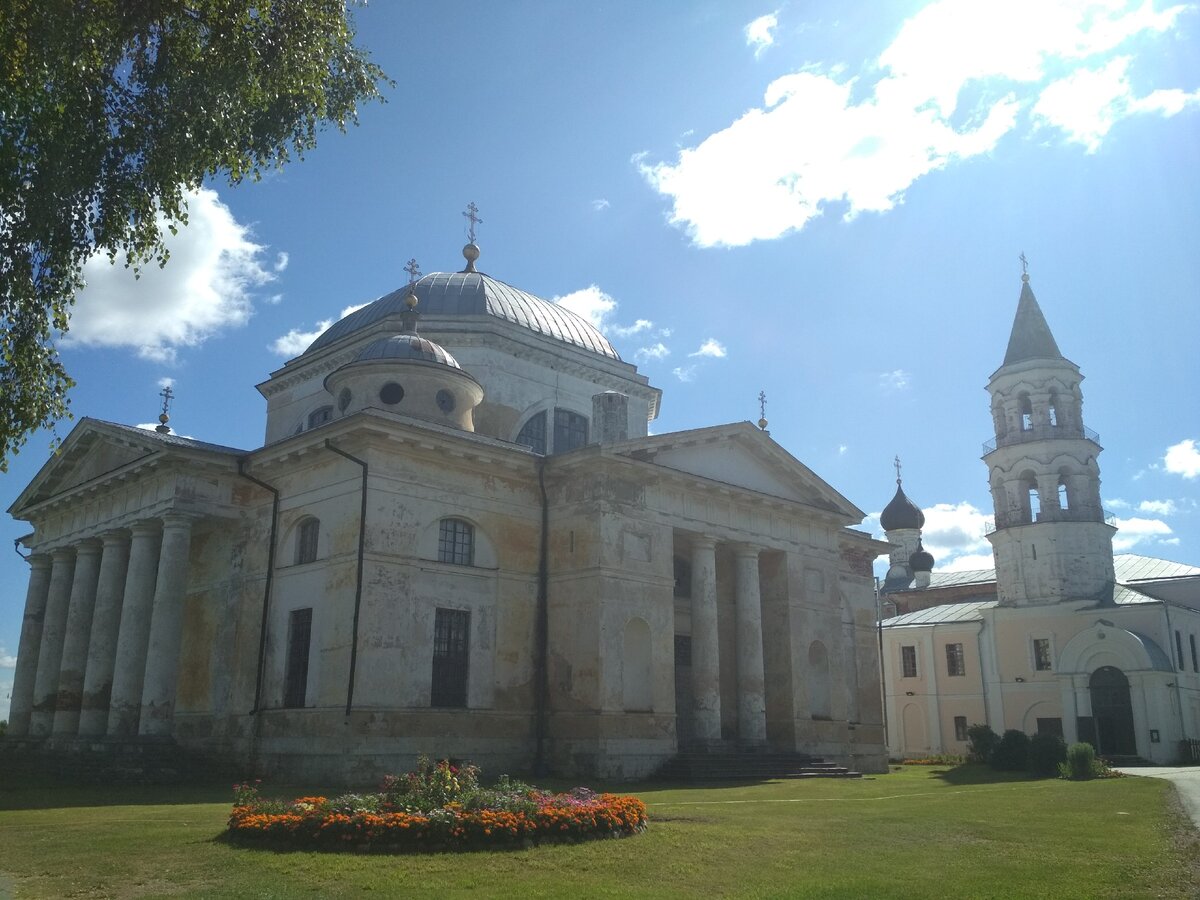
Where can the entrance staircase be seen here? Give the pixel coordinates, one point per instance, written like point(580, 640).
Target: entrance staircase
point(727, 764)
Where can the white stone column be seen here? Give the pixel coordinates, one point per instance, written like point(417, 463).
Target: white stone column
point(30, 646)
point(129, 668)
point(166, 629)
point(75, 642)
point(706, 669)
point(54, 625)
point(102, 648)
point(752, 703)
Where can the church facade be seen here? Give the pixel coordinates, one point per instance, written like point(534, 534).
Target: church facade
point(1061, 637)
point(457, 539)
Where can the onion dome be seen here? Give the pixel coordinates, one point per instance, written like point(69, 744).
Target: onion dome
point(901, 512)
point(922, 560)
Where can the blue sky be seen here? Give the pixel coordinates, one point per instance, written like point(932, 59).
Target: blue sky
point(824, 204)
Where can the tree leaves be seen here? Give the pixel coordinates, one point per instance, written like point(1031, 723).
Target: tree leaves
point(110, 111)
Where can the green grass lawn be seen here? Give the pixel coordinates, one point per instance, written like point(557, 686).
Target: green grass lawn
point(918, 832)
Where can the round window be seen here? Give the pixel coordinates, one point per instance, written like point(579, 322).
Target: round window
point(343, 399)
point(391, 393)
point(445, 401)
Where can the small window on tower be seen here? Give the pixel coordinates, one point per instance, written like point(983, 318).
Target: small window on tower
point(960, 728)
point(1041, 655)
point(908, 662)
point(955, 663)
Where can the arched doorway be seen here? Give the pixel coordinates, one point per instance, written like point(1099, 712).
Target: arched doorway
point(1112, 712)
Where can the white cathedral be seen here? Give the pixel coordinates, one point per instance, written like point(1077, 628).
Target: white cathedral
point(1062, 636)
point(458, 538)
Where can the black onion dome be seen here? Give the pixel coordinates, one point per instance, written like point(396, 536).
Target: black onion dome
point(922, 560)
point(406, 346)
point(468, 294)
point(901, 513)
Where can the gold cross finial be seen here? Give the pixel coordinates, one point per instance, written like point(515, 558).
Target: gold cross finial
point(762, 410)
point(897, 465)
point(472, 216)
point(1024, 265)
point(168, 395)
point(413, 270)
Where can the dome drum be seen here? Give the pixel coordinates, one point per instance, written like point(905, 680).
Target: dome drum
point(424, 390)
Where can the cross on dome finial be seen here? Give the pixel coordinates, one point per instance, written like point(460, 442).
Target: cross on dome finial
point(762, 410)
point(413, 270)
point(472, 216)
point(897, 465)
point(1024, 267)
point(168, 395)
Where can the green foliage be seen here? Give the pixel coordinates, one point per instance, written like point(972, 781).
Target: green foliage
point(1081, 763)
point(1011, 752)
point(112, 111)
point(431, 786)
point(981, 742)
point(1046, 753)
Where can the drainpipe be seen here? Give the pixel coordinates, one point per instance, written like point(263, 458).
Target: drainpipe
point(358, 582)
point(541, 684)
point(882, 667)
point(1175, 652)
point(266, 604)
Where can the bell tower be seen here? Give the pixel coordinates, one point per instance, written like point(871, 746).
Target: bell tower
point(1051, 542)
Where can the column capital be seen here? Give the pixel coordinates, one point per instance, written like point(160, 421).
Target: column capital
point(144, 527)
point(62, 553)
point(39, 561)
point(742, 551)
point(115, 536)
point(177, 520)
point(88, 547)
point(703, 542)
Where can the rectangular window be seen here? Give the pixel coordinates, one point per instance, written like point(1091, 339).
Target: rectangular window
point(1041, 655)
point(1195, 663)
point(955, 664)
point(1179, 649)
point(1052, 726)
point(295, 681)
point(960, 728)
point(908, 662)
point(307, 539)
point(450, 657)
point(570, 430)
point(456, 542)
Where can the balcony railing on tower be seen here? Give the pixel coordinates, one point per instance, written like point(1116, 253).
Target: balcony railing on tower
point(1040, 433)
point(1014, 517)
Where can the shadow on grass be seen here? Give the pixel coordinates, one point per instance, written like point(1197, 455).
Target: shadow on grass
point(978, 773)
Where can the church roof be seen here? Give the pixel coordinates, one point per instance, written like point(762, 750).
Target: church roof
point(475, 294)
point(941, 615)
point(901, 512)
point(1030, 337)
point(406, 346)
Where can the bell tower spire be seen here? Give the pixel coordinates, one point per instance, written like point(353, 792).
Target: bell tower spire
point(1051, 542)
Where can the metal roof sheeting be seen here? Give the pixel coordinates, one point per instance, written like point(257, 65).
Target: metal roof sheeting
point(940, 615)
point(475, 294)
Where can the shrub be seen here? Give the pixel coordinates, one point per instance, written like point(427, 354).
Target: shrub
point(1081, 763)
point(1046, 753)
point(981, 742)
point(1011, 751)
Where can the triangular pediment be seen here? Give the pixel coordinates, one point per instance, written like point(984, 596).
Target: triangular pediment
point(95, 449)
point(741, 456)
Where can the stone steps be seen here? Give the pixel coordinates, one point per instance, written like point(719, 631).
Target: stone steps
point(749, 765)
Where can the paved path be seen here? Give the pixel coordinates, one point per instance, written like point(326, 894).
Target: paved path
point(1186, 779)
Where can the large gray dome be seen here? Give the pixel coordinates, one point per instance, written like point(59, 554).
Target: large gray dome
point(475, 294)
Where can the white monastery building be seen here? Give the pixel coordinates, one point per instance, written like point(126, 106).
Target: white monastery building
point(455, 541)
point(1061, 636)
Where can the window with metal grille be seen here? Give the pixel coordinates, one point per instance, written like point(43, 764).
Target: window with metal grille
point(1195, 662)
point(320, 416)
point(451, 628)
point(533, 433)
point(307, 536)
point(955, 664)
point(1041, 655)
point(570, 430)
point(908, 662)
point(295, 681)
point(960, 728)
point(1179, 649)
point(456, 542)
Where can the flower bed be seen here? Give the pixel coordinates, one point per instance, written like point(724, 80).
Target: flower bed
point(436, 807)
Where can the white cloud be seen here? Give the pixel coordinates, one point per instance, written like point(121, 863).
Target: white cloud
point(636, 328)
point(822, 136)
point(590, 302)
point(1117, 503)
point(685, 373)
point(281, 261)
point(1158, 507)
point(895, 380)
point(954, 533)
point(968, 562)
point(1183, 459)
point(1137, 530)
point(656, 351)
point(166, 382)
point(7, 660)
point(759, 32)
point(207, 285)
point(842, 448)
point(600, 204)
point(712, 348)
point(296, 341)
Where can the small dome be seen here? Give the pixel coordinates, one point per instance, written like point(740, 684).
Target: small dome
point(406, 346)
point(922, 560)
point(901, 513)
